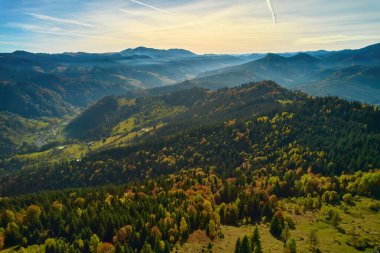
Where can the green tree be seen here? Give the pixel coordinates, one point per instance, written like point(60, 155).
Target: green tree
point(12, 234)
point(147, 248)
point(277, 224)
point(256, 241)
point(211, 230)
point(291, 246)
point(370, 184)
point(348, 198)
point(184, 229)
point(33, 213)
point(94, 243)
point(238, 246)
point(246, 245)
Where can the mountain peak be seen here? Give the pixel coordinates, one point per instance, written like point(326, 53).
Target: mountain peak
point(157, 53)
point(21, 52)
point(304, 57)
point(273, 57)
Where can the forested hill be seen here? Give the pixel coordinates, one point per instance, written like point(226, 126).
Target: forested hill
point(255, 127)
point(196, 106)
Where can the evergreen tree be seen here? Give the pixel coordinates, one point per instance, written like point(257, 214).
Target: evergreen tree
point(255, 241)
point(277, 224)
point(246, 245)
point(238, 246)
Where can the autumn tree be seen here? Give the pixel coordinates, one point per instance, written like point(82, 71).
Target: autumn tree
point(184, 229)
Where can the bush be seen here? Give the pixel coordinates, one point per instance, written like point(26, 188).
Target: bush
point(359, 243)
point(348, 198)
point(290, 222)
point(333, 217)
point(370, 184)
point(374, 206)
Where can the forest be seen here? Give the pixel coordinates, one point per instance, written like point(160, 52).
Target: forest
point(254, 155)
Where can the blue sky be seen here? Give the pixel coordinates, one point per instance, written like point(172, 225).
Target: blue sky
point(203, 26)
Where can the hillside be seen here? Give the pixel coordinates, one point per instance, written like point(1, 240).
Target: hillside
point(22, 135)
point(320, 75)
point(354, 83)
point(110, 111)
point(35, 85)
point(12, 127)
point(208, 168)
point(260, 118)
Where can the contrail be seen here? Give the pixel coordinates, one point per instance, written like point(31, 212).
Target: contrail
point(273, 13)
point(58, 20)
point(152, 7)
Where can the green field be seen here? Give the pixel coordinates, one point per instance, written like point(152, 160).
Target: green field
point(358, 222)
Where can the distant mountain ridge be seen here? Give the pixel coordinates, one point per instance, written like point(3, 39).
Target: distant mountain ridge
point(354, 71)
point(35, 85)
point(154, 53)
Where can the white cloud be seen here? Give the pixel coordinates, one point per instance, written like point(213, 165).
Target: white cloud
point(59, 20)
point(217, 26)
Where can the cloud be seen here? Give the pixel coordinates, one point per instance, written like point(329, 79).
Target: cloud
point(152, 7)
point(216, 26)
point(59, 20)
point(7, 43)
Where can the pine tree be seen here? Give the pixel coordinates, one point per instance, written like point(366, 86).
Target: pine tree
point(246, 245)
point(238, 246)
point(277, 224)
point(255, 241)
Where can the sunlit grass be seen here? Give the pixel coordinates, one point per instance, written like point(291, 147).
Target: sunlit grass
point(358, 220)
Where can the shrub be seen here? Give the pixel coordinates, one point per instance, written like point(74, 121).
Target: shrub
point(348, 198)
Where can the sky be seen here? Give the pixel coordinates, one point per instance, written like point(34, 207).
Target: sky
point(202, 26)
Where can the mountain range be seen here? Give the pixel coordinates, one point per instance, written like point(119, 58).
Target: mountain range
point(45, 92)
point(350, 74)
point(34, 85)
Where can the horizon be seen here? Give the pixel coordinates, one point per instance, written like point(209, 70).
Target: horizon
point(247, 53)
point(203, 27)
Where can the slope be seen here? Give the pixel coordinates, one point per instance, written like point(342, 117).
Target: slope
point(35, 85)
point(317, 75)
point(257, 126)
